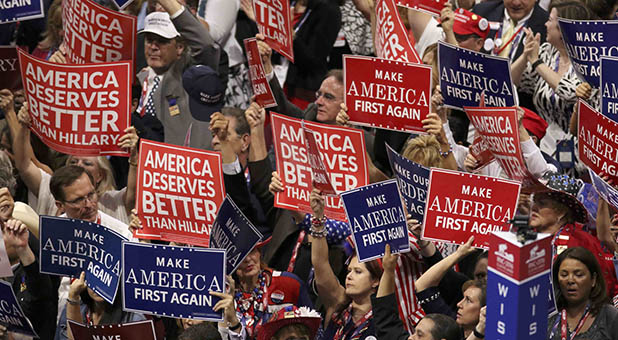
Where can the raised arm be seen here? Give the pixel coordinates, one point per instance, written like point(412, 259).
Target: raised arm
point(28, 171)
point(434, 275)
point(129, 141)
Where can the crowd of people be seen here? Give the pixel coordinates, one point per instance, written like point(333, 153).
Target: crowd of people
point(303, 280)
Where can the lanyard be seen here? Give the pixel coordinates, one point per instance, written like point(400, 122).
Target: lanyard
point(580, 324)
point(358, 327)
point(302, 21)
point(301, 237)
point(497, 50)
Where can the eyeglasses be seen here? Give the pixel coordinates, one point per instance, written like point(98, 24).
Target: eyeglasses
point(326, 96)
point(80, 201)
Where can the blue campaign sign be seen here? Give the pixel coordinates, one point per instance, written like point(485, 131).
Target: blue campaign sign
point(465, 74)
point(529, 319)
point(606, 191)
point(376, 216)
point(413, 180)
point(70, 246)
point(122, 3)
point(589, 197)
point(11, 314)
point(609, 87)
point(233, 232)
point(11, 11)
point(586, 42)
point(172, 281)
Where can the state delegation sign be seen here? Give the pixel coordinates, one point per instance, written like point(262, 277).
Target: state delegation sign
point(387, 94)
point(273, 21)
point(79, 110)
point(179, 191)
point(598, 141)
point(460, 205)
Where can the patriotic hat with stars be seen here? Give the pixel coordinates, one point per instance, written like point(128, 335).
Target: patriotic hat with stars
point(467, 22)
point(564, 189)
point(205, 89)
point(288, 316)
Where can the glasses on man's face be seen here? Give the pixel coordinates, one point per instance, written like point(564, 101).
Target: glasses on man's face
point(81, 201)
point(326, 96)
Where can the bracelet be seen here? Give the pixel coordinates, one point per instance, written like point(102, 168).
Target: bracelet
point(132, 163)
point(318, 222)
point(446, 153)
point(317, 233)
point(478, 335)
point(536, 64)
point(73, 302)
point(235, 327)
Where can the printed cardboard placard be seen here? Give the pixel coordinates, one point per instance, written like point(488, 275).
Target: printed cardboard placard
point(387, 94)
point(233, 232)
point(605, 191)
point(261, 88)
point(433, 7)
point(320, 179)
point(122, 3)
point(498, 127)
point(598, 141)
point(15, 10)
point(391, 37)
point(589, 197)
point(95, 34)
point(481, 152)
point(179, 191)
point(465, 74)
point(377, 218)
point(11, 315)
point(460, 205)
point(273, 21)
point(79, 110)
point(10, 74)
point(343, 152)
point(143, 330)
point(609, 87)
point(172, 281)
point(586, 41)
point(413, 180)
point(69, 246)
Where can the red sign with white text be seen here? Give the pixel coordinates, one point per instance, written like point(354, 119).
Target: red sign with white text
point(273, 20)
point(343, 152)
point(598, 141)
point(518, 261)
point(319, 174)
point(143, 330)
point(78, 109)
point(387, 94)
point(10, 77)
point(391, 41)
point(499, 128)
point(481, 151)
point(179, 192)
point(433, 7)
point(95, 34)
point(460, 205)
point(261, 89)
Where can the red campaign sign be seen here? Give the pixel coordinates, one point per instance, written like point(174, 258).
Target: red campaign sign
point(273, 20)
point(261, 89)
point(519, 262)
point(481, 151)
point(433, 7)
point(95, 34)
point(387, 94)
point(10, 77)
point(179, 192)
point(342, 150)
point(78, 109)
point(143, 330)
point(460, 205)
point(499, 128)
point(319, 174)
point(392, 41)
point(598, 141)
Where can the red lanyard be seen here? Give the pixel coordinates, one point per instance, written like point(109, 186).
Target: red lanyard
point(505, 44)
point(580, 324)
point(359, 326)
point(301, 237)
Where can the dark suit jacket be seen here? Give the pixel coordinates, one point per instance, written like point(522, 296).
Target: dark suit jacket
point(493, 10)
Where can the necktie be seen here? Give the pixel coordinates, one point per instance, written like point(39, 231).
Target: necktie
point(506, 38)
point(149, 108)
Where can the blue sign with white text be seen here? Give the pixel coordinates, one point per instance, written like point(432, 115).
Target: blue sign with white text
point(413, 180)
point(609, 88)
point(376, 216)
point(11, 314)
point(586, 42)
point(606, 191)
point(233, 232)
point(465, 74)
point(16, 10)
point(122, 3)
point(589, 197)
point(69, 246)
point(172, 281)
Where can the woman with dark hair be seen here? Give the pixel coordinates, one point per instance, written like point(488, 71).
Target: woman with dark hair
point(87, 307)
point(348, 308)
point(581, 298)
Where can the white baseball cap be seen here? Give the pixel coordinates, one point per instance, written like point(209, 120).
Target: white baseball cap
point(159, 23)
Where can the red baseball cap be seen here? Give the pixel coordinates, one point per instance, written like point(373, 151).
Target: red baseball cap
point(467, 22)
point(534, 123)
